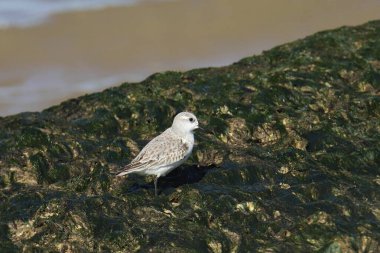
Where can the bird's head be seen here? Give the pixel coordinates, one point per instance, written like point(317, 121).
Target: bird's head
point(185, 122)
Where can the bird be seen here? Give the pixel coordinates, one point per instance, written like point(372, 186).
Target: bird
point(167, 151)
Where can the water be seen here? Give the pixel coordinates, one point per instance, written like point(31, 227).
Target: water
point(54, 50)
point(22, 13)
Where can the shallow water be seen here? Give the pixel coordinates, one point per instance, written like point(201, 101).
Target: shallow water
point(83, 51)
point(24, 13)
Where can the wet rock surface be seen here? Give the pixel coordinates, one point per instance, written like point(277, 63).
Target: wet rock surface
point(289, 160)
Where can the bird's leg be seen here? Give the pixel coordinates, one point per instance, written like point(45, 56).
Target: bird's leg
point(155, 186)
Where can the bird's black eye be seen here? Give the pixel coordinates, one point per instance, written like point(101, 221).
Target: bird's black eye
point(191, 119)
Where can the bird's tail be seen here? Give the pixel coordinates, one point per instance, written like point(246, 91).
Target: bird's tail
point(122, 173)
point(130, 168)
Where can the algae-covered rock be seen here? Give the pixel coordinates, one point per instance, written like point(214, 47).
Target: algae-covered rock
point(289, 160)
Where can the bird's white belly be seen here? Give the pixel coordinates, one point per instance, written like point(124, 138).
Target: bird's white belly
point(164, 170)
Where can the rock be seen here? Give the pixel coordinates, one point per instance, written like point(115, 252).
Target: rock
point(288, 162)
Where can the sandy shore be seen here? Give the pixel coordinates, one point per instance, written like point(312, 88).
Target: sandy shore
point(81, 52)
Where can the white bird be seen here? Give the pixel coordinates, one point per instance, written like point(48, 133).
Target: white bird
point(166, 151)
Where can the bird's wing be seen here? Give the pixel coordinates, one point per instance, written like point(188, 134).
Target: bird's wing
point(161, 151)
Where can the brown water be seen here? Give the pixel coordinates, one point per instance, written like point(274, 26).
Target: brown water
point(81, 52)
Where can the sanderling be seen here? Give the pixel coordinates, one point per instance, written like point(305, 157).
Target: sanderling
point(167, 151)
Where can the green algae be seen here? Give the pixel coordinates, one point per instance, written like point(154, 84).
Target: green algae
point(289, 160)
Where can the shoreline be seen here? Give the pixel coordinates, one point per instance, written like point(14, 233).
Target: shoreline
point(76, 53)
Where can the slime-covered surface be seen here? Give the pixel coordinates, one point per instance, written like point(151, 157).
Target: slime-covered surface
point(289, 160)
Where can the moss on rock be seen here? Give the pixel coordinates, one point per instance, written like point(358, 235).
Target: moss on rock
point(289, 161)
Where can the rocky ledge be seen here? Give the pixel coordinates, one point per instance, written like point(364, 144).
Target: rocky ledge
point(289, 160)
